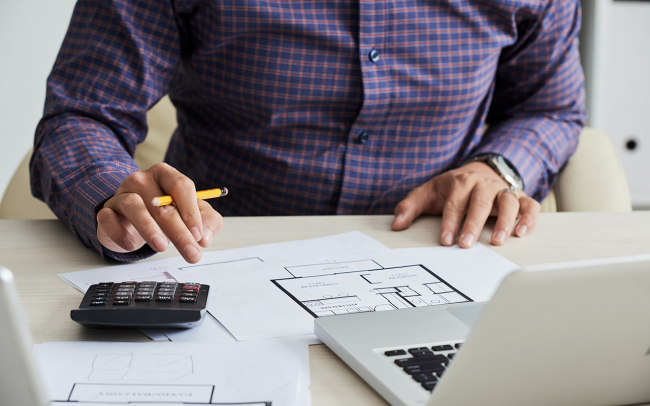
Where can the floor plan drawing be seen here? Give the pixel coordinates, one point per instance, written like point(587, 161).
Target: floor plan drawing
point(365, 286)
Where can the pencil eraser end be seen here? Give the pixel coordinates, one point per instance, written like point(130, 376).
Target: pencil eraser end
point(225, 191)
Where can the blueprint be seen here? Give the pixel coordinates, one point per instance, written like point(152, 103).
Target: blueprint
point(265, 373)
point(366, 290)
point(282, 298)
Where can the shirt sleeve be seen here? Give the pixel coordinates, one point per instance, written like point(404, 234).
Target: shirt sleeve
point(538, 107)
point(117, 60)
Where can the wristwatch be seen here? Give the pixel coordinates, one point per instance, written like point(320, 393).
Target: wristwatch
point(501, 166)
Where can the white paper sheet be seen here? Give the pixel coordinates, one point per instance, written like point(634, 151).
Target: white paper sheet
point(281, 299)
point(270, 372)
point(231, 259)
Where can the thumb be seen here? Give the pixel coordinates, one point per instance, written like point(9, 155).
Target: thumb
point(409, 209)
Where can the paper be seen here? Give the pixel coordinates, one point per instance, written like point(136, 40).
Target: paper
point(266, 373)
point(282, 299)
point(233, 258)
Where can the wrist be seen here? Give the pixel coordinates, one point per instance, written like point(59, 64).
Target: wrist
point(501, 166)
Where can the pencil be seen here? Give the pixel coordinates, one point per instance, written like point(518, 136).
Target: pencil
point(202, 195)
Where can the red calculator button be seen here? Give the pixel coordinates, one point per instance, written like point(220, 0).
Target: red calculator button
point(191, 287)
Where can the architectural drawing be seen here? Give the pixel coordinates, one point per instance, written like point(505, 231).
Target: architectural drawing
point(365, 286)
point(141, 367)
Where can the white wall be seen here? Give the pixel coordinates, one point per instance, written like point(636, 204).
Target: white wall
point(31, 32)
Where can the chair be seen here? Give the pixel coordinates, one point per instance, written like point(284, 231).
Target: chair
point(592, 180)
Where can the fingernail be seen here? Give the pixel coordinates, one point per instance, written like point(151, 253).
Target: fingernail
point(468, 240)
point(192, 253)
point(159, 242)
point(447, 238)
point(207, 235)
point(196, 233)
point(522, 230)
point(500, 237)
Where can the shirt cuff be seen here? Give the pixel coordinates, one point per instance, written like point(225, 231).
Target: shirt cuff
point(90, 194)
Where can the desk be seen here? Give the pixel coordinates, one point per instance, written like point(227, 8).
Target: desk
point(36, 250)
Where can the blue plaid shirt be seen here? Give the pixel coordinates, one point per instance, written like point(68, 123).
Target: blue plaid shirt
point(307, 107)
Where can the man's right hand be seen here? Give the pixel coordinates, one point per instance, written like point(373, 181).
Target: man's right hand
point(128, 220)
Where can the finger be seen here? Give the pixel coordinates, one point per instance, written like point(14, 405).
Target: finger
point(453, 213)
point(529, 212)
point(212, 222)
point(411, 207)
point(171, 223)
point(134, 209)
point(480, 205)
point(508, 206)
point(114, 234)
point(182, 190)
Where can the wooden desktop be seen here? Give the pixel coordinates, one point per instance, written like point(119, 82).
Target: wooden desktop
point(37, 250)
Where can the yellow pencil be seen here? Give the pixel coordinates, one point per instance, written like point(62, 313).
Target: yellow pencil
point(202, 195)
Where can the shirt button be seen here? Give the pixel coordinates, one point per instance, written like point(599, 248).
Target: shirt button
point(373, 55)
point(363, 138)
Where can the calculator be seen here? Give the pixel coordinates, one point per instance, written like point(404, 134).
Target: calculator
point(147, 304)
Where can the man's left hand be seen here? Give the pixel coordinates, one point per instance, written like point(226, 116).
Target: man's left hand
point(474, 192)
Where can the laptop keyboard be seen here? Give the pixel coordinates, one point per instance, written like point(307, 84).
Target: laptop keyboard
point(425, 365)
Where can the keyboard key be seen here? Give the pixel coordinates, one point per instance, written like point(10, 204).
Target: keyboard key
point(98, 303)
point(402, 362)
point(439, 373)
point(394, 353)
point(420, 369)
point(164, 298)
point(451, 356)
point(420, 353)
point(445, 347)
point(429, 376)
point(428, 385)
point(458, 345)
point(419, 349)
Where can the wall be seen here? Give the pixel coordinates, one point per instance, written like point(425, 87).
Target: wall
point(31, 32)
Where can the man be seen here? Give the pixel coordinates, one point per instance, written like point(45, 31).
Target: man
point(459, 108)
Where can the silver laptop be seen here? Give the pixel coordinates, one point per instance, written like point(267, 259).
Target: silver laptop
point(568, 336)
point(20, 383)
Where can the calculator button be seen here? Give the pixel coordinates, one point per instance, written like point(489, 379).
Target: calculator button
point(143, 298)
point(121, 302)
point(100, 290)
point(105, 285)
point(168, 283)
point(98, 303)
point(166, 291)
point(146, 290)
point(190, 287)
point(101, 294)
point(148, 286)
point(164, 298)
point(187, 299)
point(189, 294)
point(123, 294)
point(129, 283)
point(126, 286)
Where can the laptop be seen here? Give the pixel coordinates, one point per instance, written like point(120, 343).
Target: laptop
point(567, 335)
point(20, 383)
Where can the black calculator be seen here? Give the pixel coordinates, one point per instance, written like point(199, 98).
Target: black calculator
point(167, 304)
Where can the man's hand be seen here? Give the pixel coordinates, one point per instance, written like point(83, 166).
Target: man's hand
point(471, 191)
point(128, 220)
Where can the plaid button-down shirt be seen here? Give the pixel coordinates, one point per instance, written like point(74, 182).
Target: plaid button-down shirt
point(308, 107)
